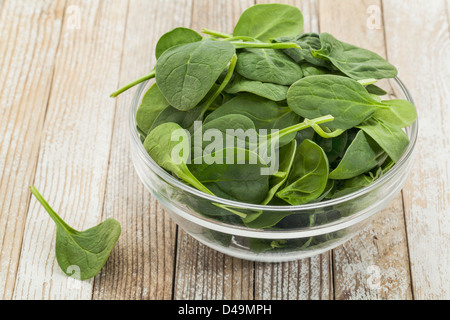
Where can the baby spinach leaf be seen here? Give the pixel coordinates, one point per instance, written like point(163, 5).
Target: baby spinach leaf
point(240, 180)
point(392, 139)
point(343, 98)
point(400, 113)
point(88, 250)
point(171, 154)
point(271, 91)
point(373, 89)
point(286, 156)
point(264, 113)
point(355, 62)
point(152, 105)
point(334, 147)
point(357, 183)
point(362, 155)
point(186, 73)
point(309, 69)
point(176, 37)
point(245, 134)
point(186, 119)
point(269, 21)
point(267, 65)
point(309, 175)
point(308, 42)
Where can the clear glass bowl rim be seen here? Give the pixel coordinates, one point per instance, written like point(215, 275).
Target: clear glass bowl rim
point(396, 169)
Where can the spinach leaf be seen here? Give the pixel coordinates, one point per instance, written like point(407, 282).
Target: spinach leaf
point(305, 134)
point(373, 89)
point(343, 98)
point(176, 37)
point(309, 175)
point(186, 119)
point(392, 139)
point(271, 91)
point(267, 65)
point(88, 250)
point(362, 155)
point(186, 73)
point(152, 105)
point(355, 62)
point(241, 131)
point(308, 42)
point(287, 157)
point(357, 183)
point(400, 113)
point(171, 154)
point(335, 147)
point(238, 180)
point(269, 21)
point(265, 114)
point(309, 69)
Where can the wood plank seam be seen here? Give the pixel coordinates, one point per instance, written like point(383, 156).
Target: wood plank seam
point(407, 243)
point(102, 209)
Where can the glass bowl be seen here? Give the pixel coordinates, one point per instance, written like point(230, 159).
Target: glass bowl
point(302, 231)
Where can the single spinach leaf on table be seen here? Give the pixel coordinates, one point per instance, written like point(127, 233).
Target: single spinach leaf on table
point(308, 177)
point(186, 73)
point(87, 251)
point(361, 156)
point(355, 62)
point(267, 65)
point(343, 98)
point(271, 91)
point(392, 139)
point(152, 105)
point(269, 21)
point(176, 37)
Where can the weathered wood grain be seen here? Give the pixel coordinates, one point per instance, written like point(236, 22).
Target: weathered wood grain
point(205, 274)
point(418, 42)
point(75, 144)
point(374, 264)
point(142, 267)
point(29, 38)
point(307, 279)
point(202, 273)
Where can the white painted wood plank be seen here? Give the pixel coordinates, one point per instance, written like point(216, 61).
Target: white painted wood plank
point(29, 37)
point(418, 42)
point(75, 147)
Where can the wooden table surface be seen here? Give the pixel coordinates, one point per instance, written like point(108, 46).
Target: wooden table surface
point(60, 60)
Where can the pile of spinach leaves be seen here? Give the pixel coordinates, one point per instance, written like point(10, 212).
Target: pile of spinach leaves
point(337, 133)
